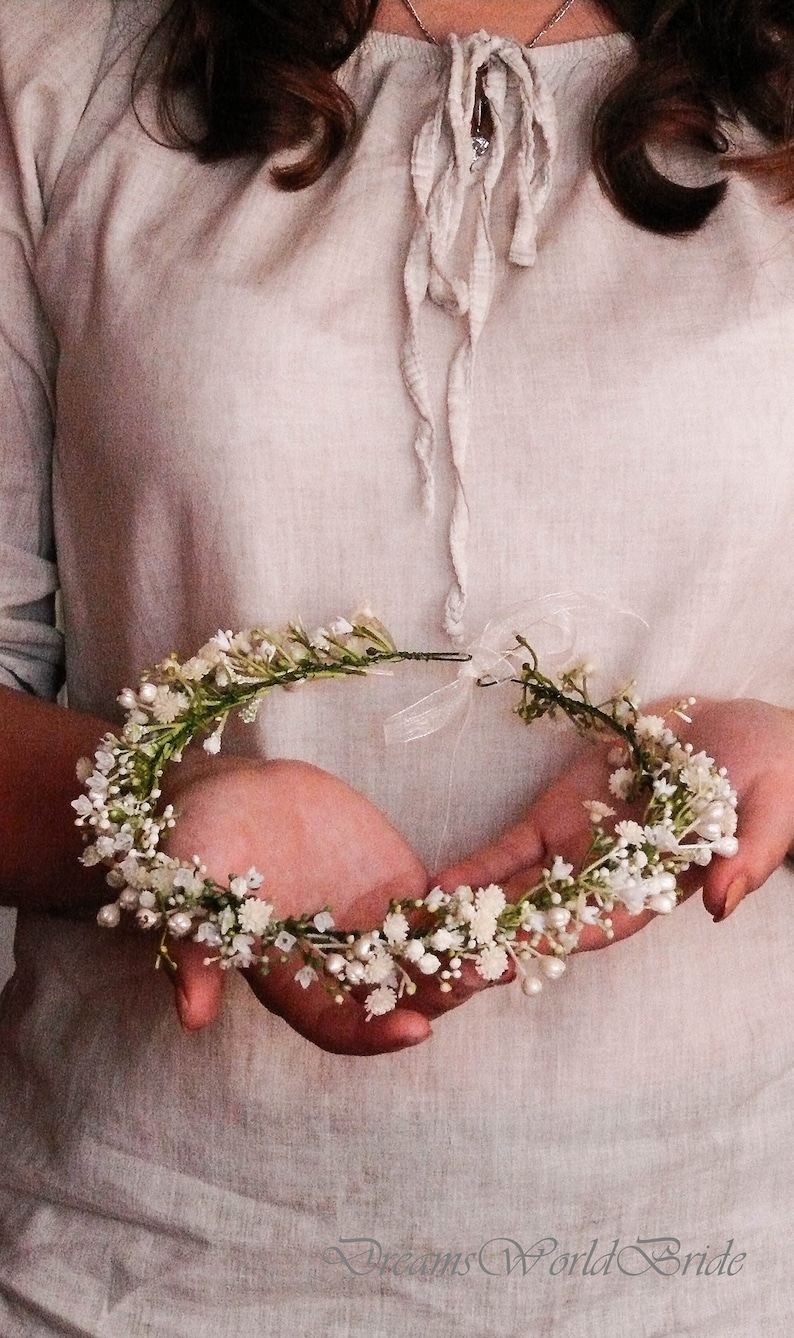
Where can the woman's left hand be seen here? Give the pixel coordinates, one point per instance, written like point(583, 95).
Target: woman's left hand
point(751, 739)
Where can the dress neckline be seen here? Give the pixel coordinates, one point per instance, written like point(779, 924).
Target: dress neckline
point(380, 42)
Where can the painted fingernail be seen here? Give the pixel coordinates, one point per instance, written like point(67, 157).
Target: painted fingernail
point(736, 893)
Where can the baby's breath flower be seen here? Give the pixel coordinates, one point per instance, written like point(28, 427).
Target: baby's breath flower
point(255, 915)
point(596, 810)
point(395, 927)
point(690, 816)
point(620, 782)
point(379, 1001)
point(492, 962)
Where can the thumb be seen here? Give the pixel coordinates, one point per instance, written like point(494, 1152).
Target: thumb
point(515, 850)
point(765, 833)
point(198, 988)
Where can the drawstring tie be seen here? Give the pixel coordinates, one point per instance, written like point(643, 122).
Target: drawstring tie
point(442, 176)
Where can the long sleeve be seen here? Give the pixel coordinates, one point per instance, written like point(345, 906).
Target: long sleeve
point(45, 82)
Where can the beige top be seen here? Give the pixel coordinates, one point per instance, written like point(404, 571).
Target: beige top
point(242, 396)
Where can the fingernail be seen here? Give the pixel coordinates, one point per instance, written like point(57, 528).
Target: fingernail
point(183, 1009)
point(736, 893)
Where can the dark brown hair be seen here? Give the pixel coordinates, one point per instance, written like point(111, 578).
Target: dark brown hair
point(262, 73)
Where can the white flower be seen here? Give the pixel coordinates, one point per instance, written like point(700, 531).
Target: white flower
point(534, 922)
point(190, 882)
point(631, 832)
point(492, 962)
point(491, 899)
point(227, 920)
point(323, 921)
point(560, 870)
point(378, 968)
point(147, 919)
point(650, 726)
point(211, 654)
point(254, 878)
point(435, 899)
point(194, 669)
point(83, 806)
point(379, 1001)
point(620, 782)
point(208, 933)
point(445, 939)
point(597, 811)
point(241, 945)
point(482, 925)
point(340, 627)
point(428, 964)
point(168, 705)
point(284, 941)
point(212, 744)
point(305, 976)
point(255, 915)
point(162, 880)
point(395, 927)
point(662, 837)
point(239, 887)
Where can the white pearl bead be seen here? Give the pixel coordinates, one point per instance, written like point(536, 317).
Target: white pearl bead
point(363, 948)
point(179, 924)
point(335, 963)
point(127, 699)
point(710, 831)
point(128, 899)
point(531, 985)
point(552, 967)
point(354, 972)
point(727, 847)
point(147, 694)
point(428, 964)
point(558, 917)
point(108, 916)
point(663, 903)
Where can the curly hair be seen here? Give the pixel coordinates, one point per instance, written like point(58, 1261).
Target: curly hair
point(262, 74)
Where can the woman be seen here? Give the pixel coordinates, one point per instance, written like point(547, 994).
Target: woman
point(236, 386)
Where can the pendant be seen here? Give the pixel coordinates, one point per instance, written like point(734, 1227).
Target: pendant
point(481, 120)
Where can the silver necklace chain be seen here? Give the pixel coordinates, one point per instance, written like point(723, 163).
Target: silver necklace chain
point(481, 124)
point(558, 14)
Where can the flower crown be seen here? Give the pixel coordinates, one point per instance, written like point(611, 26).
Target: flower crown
point(689, 816)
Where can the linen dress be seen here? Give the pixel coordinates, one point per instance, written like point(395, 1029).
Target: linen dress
point(216, 404)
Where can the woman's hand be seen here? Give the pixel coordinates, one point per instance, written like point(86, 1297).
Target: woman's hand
point(318, 843)
point(752, 740)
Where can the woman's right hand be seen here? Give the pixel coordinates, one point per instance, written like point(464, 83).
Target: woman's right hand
point(317, 842)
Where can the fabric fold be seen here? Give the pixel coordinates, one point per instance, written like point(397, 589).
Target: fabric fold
point(446, 174)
